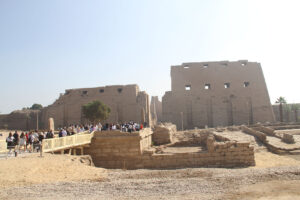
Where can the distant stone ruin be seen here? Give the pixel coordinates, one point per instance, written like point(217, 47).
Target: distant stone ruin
point(217, 94)
point(203, 94)
point(127, 103)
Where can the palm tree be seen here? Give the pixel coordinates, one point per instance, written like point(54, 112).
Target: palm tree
point(287, 109)
point(295, 108)
point(281, 100)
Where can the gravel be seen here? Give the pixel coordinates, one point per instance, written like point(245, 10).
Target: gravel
point(194, 183)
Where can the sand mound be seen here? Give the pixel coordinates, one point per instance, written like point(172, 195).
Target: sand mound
point(267, 159)
point(48, 169)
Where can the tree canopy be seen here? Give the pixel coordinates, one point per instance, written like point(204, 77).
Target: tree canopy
point(281, 100)
point(95, 111)
point(36, 107)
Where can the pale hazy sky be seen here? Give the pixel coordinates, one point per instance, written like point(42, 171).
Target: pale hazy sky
point(49, 46)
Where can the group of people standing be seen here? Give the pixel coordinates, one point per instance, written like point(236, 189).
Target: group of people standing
point(31, 141)
point(125, 127)
point(26, 142)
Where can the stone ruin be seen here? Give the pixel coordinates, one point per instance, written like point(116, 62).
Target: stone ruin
point(165, 148)
point(127, 103)
point(114, 149)
point(203, 94)
point(217, 94)
point(163, 133)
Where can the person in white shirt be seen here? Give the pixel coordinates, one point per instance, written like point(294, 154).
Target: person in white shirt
point(64, 133)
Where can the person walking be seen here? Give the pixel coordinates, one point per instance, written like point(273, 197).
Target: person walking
point(22, 142)
point(16, 143)
point(10, 143)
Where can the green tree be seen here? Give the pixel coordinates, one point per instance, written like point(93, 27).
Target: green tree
point(281, 101)
point(95, 111)
point(295, 108)
point(36, 106)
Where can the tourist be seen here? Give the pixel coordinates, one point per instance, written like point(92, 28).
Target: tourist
point(41, 137)
point(49, 135)
point(130, 128)
point(99, 126)
point(22, 142)
point(36, 142)
point(27, 139)
point(10, 143)
point(16, 142)
point(31, 141)
point(60, 133)
point(64, 133)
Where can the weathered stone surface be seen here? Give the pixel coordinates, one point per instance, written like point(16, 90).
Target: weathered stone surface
point(156, 110)
point(51, 124)
point(125, 101)
point(260, 135)
point(22, 120)
point(219, 154)
point(163, 133)
point(287, 138)
point(217, 94)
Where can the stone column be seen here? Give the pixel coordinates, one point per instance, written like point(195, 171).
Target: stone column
point(51, 124)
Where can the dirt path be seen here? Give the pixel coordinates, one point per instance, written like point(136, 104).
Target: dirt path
point(194, 183)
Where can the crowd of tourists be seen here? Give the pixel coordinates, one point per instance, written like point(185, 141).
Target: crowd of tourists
point(31, 141)
point(124, 127)
point(26, 141)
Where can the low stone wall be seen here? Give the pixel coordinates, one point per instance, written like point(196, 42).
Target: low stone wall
point(163, 134)
point(266, 130)
point(238, 155)
point(286, 138)
point(260, 135)
point(109, 146)
point(128, 151)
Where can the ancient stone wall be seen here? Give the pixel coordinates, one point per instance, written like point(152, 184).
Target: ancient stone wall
point(21, 120)
point(126, 103)
point(288, 113)
point(114, 149)
point(156, 109)
point(163, 133)
point(129, 151)
point(217, 94)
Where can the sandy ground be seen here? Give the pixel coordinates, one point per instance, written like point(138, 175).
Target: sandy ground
point(32, 169)
point(239, 136)
point(65, 177)
point(266, 159)
point(275, 177)
point(270, 190)
point(4, 134)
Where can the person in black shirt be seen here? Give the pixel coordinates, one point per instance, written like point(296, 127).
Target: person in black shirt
point(16, 138)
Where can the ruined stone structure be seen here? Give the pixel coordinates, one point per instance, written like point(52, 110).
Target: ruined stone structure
point(163, 133)
point(126, 103)
point(113, 149)
point(21, 120)
point(217, 94)
point(156, 109)
point(289, 112)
